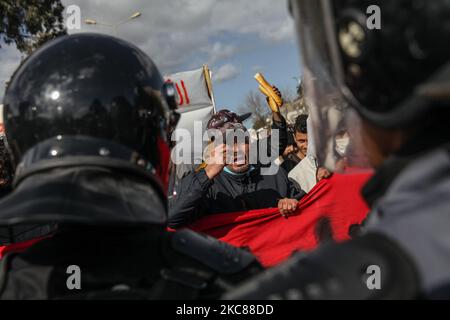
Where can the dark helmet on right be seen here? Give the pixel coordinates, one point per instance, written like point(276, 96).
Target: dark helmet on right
point(388, 60)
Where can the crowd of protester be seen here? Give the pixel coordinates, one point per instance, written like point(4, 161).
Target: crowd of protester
point(219, 187)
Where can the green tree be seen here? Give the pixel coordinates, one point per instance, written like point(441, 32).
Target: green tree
point(30, 23)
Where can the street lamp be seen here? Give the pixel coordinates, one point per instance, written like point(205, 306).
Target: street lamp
point(89, 21)
point(135, 15)
point(115, 26)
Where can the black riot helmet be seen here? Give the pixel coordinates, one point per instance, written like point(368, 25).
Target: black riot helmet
point(90, 99)
point(388, 60)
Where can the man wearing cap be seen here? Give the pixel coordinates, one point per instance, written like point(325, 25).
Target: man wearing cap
point(235, 183)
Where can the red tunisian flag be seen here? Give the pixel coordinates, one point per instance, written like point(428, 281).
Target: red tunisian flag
point(272, 238)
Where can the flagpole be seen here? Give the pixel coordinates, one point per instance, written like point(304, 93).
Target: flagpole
point(207, 73)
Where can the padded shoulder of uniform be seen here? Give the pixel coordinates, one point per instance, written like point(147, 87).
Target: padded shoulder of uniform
point(213, 253)
point(368, 267)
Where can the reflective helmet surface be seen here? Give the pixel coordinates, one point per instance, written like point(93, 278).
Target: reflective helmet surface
point(94, 86)
point(386, 60)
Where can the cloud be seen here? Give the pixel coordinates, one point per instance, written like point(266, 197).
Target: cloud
point(177, 32)
point(180, 34)
point(281, 33)
point(219, 51)
point(225, 73)
point(257, 68)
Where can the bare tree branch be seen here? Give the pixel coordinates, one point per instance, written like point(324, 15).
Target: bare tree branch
point(254, 103)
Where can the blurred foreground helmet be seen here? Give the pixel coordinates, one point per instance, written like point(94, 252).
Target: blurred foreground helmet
point(93, 99)
point(388, 60)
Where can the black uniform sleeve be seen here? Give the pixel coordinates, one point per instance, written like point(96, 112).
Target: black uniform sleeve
point(188, 204)
point(206, 265)
point(282, 127)
point(275, 152)
point(369, 267)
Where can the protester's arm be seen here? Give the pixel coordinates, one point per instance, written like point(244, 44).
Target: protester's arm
point(277, 149)
point(278, 123)
point(322, 173)
point(188, 203)
point(289, 204)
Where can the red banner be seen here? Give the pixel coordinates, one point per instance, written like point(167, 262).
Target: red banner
point(273, 238)
point(17, 247)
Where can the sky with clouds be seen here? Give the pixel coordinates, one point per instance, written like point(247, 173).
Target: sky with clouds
point(236, 38)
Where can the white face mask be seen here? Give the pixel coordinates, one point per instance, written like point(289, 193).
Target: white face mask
point(341, 145)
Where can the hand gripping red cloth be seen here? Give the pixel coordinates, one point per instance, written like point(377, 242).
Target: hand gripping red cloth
point(273, 238)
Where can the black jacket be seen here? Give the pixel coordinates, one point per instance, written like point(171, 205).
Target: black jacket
point(290, 162)
point(88, 195)
point(181, 170)
point(198, 196)
point(145, 263)
point(106, 223)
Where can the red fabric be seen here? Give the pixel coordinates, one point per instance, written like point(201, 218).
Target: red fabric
point(17, 247)
point(273, 238)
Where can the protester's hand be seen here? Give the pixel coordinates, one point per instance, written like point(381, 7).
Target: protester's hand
point(289, 149)
point(215, 161)
point(341, 165)
point(322, 173)
point(272, 103)
point(277, 91)
point(287, 206)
